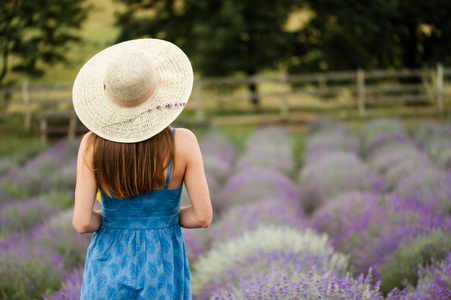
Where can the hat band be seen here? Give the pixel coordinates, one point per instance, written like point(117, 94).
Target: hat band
point(174, 105)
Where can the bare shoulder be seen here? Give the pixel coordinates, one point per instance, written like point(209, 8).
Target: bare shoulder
point(186, 144)
point(185, 137)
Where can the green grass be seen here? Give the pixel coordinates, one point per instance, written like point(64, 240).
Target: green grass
point(18, 144)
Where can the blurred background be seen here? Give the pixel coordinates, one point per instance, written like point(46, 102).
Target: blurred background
point(324, 127)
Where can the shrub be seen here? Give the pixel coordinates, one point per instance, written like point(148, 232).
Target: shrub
point(268, 148)
point(196, 242)
point(390, 141)
point(70, 288)
point(259, 250)
point(402, 266)
point(322, 123)
point(238, 219)
point(330, 140)
point(60, 199)
point(20, 216)
point(278, 285)
point(369, 230)
point(377, 127)
point(385, 159)
point(27, 272)
point(428, 186)
point(216, 145)
point(435, 281)
point(61, 238)
point(435, 139)
point(334, 174)
point(252, 185)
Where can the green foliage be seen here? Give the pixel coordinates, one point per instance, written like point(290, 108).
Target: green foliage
point(402, 267)
point(221, 37)
point(27, 279)
point(349, 34)
point(61, 199)
point(35, 33)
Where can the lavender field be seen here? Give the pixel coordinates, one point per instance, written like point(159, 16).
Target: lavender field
point(366, 216)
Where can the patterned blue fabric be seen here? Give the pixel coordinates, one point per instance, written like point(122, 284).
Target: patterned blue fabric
point(138, 252)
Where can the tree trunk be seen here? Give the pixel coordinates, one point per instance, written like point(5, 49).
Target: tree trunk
point(255, 101)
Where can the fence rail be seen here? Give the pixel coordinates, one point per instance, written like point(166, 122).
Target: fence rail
point(282, 92)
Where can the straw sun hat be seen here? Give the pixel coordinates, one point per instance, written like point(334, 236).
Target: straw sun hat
point(131, 91)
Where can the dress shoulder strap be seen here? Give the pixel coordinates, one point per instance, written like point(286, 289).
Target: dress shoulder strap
point(168, 177)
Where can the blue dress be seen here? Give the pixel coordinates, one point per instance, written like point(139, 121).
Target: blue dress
point(138, 252)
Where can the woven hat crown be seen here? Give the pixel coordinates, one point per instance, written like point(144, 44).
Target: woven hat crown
point(129, 75)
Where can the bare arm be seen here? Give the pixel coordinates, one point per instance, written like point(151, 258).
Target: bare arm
point(200, 213)
point(85, 219)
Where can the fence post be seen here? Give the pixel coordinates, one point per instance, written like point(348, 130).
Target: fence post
point(283, 95)
point(199, 115)
point(26, 100)
point(440, 89)
point(361, 92)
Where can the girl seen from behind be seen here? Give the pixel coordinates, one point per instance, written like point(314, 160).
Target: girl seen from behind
point(128, 95)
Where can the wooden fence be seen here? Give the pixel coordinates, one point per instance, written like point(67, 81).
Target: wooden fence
point(281, 96)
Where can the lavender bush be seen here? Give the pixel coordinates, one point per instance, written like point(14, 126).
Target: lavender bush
point(298, 251)
point(196, 242)
point(402, 266)
point(268, 148)
point(428, 186)
point(276, 284)
point(27, 272)
point(70, 288)
point(330, 140)
point(322, 123)
point(389, 141)
point(369, 230)
point(60, 238)
point(387, 158)
point(238, 219)
point(252, 185)
point(216, 145)
point(377, 127)
point(35, 176)
point(20, 216)
point(435, 281)
point(435, 139)
point(333, 174)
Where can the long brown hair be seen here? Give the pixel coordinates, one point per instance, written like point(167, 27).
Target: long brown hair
point(123, 170)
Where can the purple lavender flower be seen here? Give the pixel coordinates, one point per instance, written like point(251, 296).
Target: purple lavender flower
point(377, 127)
point(389, 140)
point(268, 148)
point(252, 185)
point(369, 229)
point(327, 141)
point(247, 217)
point(260, 251)
point(28, 271)
point(334, 174)
point(435, 281)
point(216, 145)
point(196, 243)
point(428, 186)
point(276, 284)
point(402, 266)
point(19, 216)
point(70, 288)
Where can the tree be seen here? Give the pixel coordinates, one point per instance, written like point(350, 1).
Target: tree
point(35, 33)
point(349, 34)
point(220, 37)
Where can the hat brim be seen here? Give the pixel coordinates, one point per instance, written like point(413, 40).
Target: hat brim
point(134, 124)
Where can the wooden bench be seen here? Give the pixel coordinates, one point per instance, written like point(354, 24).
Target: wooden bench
point(59, 122)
